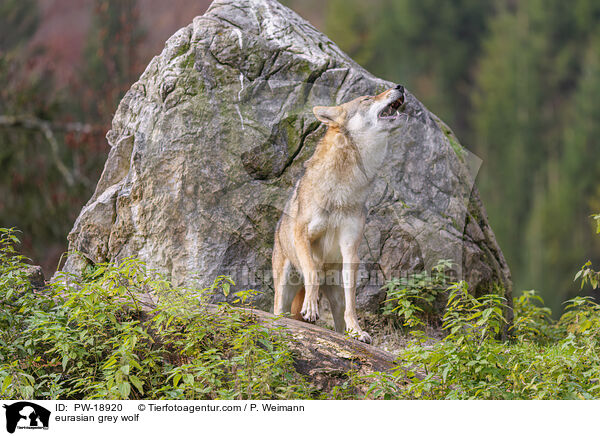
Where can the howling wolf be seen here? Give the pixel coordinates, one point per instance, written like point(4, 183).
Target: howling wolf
point(323, 221)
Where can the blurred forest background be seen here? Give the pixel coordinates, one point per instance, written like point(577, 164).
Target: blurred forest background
point(518, 81)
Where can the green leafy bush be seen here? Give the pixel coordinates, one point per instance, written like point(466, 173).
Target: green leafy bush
point(413, 299)
point(532, 321)
point(91, 337)
point(586, 273)
point(546, 359)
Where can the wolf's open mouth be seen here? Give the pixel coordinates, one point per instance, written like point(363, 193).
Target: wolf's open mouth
point(391, 110)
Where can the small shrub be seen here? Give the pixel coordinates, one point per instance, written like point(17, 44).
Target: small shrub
point(532, 320)
point(413, 299)
point(90, 338)
point(545, 360)
point(586, 273)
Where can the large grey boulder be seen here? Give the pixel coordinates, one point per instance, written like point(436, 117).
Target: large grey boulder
point(207, 145)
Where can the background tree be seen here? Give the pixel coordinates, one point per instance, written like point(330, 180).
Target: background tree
point(111, 61)
point(559, 229)
point(532, 125)
point(52, 145)
point(508, 126)
point(34, 194)
point(425, 44)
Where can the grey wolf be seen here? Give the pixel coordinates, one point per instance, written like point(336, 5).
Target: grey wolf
point(320, 231)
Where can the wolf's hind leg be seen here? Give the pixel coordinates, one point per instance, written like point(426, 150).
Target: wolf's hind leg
point(286, 288)
point(278, 263)
point(310, 307)
point(335, 296)
point(297, 305)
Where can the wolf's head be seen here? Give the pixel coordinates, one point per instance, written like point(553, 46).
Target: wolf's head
point(365, 118)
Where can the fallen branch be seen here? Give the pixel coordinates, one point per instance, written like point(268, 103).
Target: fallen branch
point(29, 122)
point(323, 356)
point(48, 128)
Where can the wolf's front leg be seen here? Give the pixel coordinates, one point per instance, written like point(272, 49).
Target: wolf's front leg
point(349, 278)
point(349, 251)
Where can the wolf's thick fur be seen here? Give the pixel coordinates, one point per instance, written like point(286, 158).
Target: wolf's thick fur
point(322, 225)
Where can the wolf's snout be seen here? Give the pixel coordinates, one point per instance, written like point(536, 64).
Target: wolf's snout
point(400, 88)
point(393, 109)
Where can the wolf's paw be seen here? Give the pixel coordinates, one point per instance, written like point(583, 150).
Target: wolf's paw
point(360, 335)
point(310, 310)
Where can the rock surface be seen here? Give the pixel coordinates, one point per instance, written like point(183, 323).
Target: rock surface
point(207, 145)
point(35, 276)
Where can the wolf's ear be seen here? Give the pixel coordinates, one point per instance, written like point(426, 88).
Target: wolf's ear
point(328, 114)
